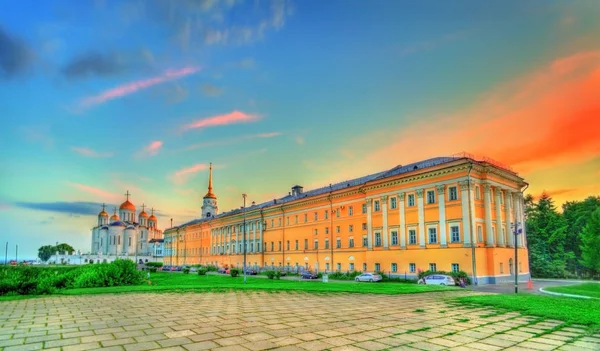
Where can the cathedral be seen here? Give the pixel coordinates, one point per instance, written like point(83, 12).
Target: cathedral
point(124, 234)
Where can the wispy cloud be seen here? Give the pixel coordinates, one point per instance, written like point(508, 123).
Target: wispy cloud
point(182, 175)
point(234, 117)
point(209, 89)
point(72, 208)
point(91, 153)
point(132, 87)
point(232, 140)
point(151, 149)
point(98, 193)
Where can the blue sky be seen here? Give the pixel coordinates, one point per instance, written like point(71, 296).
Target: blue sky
point(307, 93)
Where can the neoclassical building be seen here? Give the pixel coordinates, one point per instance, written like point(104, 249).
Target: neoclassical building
point(127, 233)
point(445, 213)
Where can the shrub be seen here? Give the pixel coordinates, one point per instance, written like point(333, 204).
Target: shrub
point(270, 274)
point(211, 268)
point(154, 264)
point(152, 269)
point(344, 276)
point(234, 272)
point(186, 270)
point(277, 275)
point(455, 275)
point(201, 271)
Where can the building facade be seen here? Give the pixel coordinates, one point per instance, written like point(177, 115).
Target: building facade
point(441, 214)
point(126, 234)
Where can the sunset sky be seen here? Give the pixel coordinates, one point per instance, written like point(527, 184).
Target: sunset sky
point(101, 97)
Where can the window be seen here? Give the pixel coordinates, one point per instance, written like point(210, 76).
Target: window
point(279, 222)
point(326, 230)
point(364, 208)
point(365, 241)
point(337, 229)
point(326, 215)
point(411, 200)
point(351, 266)
point(272, 246)
point(432, 235)
point(339, 267)
point(412, 237)
point(364, 267)
point(296, 245)
point(305, 217)
point(501, 268)
point(430, 197)
point(454, 234)
point(433, 267)
point(272, 223)
point(305, 244)
point(377, 205)
point(316, 244)
point(394, 238)
point(326, 243)
point(452, 193)
point(455, 268)
point(393, 203)
point(377, 239)
point(326, 267)
point(479, 234)
point(350, 211)
point(364, 226)
point(477, 196)
point(287, 220)
point(287, 245)
point(412, 268)
point(377, 267)
point(351, 242)
point(394, 268)
point(338, 243)
point(350, 228)
point(129, 242)
point(337, 213)
point(316, 216)
point(296, 220)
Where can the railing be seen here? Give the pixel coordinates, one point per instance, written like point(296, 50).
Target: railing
point(484, 159)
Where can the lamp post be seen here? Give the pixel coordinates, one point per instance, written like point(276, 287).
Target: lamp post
point(517, 230)
point(6, 254)
point(244, 237)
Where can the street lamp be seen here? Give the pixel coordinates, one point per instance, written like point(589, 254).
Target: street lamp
point(244, 237)
point(517, 229)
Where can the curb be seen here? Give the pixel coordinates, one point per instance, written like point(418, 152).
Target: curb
point(564, 295)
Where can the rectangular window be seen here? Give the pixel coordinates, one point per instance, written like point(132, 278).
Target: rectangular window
point(279, 222)
point(326, 215)
point(412, 237)
point(326, 230)
point(296, 245)
point(351, 266)
point(129, 242)
point(272, 223)
point(377, 205)
point(365, 241)
point(350, 211)
point(316, 244)
point(337, 213)
point(287, 245)
point(337, 229)
point(272, 246)
point(351, 242)
point(501, 267)
point(364, 208)
point(455, 268)
point(316, 216)
point(326, 243)
point(350, 228)
point(364, 267)
point(430, 197)
point(305, 244)
point(316, 231)
point(338, 243)
point(377, 267)
point(339, 267)
point(412, 268)
point(433, 267)
point(394, 268)
point(393, 203)
point(364, 226)
point(454, 234)
point(296, 220)
point(411, 200)
point(326, 267)
point(394, 238)
point(305, 217)
point(377, 239)
point(452, 193)
point(432, 235)
point(477, 196)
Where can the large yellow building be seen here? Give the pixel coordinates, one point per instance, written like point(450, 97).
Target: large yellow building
point(445, 213)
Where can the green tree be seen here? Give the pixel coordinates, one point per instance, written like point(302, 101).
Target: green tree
point(576, 215)
point(64, 249)
point(45, 252)
point(590, 243)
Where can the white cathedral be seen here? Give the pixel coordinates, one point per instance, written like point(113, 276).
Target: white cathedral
point(127, 235)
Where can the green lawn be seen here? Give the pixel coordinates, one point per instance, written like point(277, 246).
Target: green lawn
point(578, 311)
point(586, 289)
point(177, 282)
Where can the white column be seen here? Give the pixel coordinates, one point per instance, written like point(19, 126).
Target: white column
point(499, 218)
point(517, 216)
point(260, 241)
point(442, 214)
point(487, 206)
point(369, 225)
point(522, 237)
point(254, 225)
point(464, 199)
point(402, 221)
point(421, 218)
point(507, 218)
point(384, 207)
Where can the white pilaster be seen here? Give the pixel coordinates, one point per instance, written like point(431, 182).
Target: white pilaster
point(464, 199)
point(508, 218)
point(522, 214)
point(402, 232)
point(254, 225)
point(441, 190)
point(260, 243)
point(386, 234)
point(421, 218)
point(369, 225)
point(499, 233)
point(487, 207)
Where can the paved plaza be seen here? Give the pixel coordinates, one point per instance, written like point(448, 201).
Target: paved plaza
point(263, 321)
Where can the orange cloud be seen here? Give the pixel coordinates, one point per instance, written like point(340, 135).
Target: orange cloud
point(91, 153)
point(98, 193)
point(544, 118)
point(181, 176)
point(234, 117)
point(154, 146)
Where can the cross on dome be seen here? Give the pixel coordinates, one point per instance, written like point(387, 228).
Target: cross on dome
point(103, 207)
point(127, 194)
point(143, 207)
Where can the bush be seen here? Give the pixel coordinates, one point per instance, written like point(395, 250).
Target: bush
point(186, 270)
point(344, 276)
point(152, 269)
point(210, 268)
point(277, 275)
point(455, 275)
point(154, 264)
point(201, 271)
point(234, 272)
point(271, 274)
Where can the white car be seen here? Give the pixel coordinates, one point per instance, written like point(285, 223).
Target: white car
point(437, 279)
point(368, 277)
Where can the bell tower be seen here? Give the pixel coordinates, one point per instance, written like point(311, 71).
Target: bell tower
point(209, 203)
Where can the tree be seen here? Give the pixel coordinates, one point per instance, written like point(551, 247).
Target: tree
point(45, 252)
point(576, 215)
point(590, 243)
point(64, 249)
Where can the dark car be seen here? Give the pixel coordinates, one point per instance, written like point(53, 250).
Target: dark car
point(251, 272)
point(309, 275)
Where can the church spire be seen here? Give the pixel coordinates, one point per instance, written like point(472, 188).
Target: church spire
point(209, 194)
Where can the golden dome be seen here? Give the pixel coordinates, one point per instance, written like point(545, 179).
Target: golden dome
point(209, 194)
point(127, 206)
point(114, 217)
point(103, 214)
point(143, 214)
point(152, 218)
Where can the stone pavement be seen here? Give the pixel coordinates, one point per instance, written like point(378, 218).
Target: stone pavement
point(284, 321)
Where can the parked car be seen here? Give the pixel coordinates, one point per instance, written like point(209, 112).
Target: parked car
point(309, 275)
point(193, 269)
point(222, 270)
point(369, 277)
point(437, 279)
point(251, 272)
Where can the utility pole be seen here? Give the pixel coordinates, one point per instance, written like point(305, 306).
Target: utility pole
point(6, 254)
point(17, 254)
point(244, 237)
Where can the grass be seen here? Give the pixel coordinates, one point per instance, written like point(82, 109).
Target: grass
point(569, 310)
point(165, 282)
point(586, 289)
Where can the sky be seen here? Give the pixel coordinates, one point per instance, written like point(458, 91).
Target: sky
point(102, 97)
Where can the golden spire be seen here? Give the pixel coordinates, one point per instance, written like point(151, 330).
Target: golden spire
point(210, 193)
